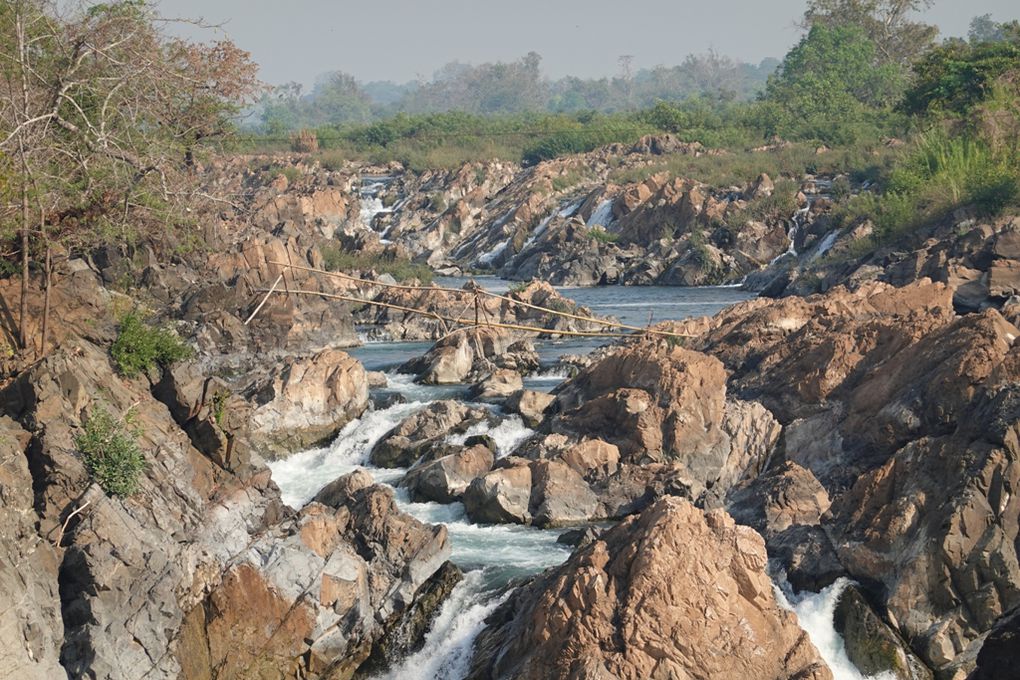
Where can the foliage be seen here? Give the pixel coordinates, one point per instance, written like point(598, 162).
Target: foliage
point(599, 233)
point(886, 23)
point(942, 173)
point(140, 347)
point(111, 452)
point(829, 87)
point(336, 259)
point(956, 77)
point(508, 88)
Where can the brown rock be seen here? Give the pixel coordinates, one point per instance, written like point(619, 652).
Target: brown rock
point(307, 401)
point(501, 496)
point(498, 385)
point(445, 479)
point(672, 593)
point(530, 405)
point(422, 433)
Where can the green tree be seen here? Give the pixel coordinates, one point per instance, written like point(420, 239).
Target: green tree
point(103, 115)
point(827, 81)
point(887, 24)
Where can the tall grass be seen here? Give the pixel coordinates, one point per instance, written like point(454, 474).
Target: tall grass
point(942, 173)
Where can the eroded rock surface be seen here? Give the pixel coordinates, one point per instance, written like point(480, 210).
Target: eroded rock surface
point(673, 592)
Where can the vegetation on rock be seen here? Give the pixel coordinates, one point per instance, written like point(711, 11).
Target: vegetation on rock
point(111, 451)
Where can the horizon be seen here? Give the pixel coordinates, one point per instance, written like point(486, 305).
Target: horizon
point(571, 42)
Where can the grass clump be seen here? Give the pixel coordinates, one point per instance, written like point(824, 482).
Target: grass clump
point(140, 347)
point(336, 259)
point(599, 233)
point(940, 174)
point(111, 451)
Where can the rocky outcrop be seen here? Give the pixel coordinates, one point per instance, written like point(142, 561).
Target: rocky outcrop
point(529, 405)
point(422, 434)
point(871, 645)
point(203, 569)
point(662, 403)
point(445, 479)
point(904, 413)
point(471, 353)
point(497, 386)
point(998, 656)
point(671, 593)
point(306, 401)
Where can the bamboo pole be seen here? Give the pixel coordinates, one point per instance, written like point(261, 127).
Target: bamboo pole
point(257, 309)
point(465, 322)
point(482, 291)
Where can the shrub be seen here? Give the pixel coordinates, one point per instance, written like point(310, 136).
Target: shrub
point(336, 259)
point(111, 452)
point(305, 141)
point(599, 234)
point(140, 347)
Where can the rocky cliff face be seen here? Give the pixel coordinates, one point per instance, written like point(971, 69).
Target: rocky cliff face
point(203, 572)
point(672, 593)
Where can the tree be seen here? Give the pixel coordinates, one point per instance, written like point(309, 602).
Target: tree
point(829, 79)
point(957, 76)
point(985, 29)
point(897, 39)
point(104, 115)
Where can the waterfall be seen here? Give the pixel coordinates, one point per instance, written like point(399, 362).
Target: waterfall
point(602, 215)
point(815, 612)
point(448, 645)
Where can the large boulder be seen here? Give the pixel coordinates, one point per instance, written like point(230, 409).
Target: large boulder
point(307, 401)
point(674, 592)
point(661, 403)
point(530, 405)
point(445, 479)
point(422, 433)
point(501, 496)
point(471, 353)
point(311, 597)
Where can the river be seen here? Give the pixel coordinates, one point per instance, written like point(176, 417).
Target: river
point(493, 555)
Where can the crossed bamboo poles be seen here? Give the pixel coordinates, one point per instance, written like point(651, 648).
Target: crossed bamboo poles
point(479, 309)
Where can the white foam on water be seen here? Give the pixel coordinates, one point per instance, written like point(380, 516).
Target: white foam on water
point(603, 214)
point(508, 434)
point(824, 245)
point(816, 612)
point(486, 259)
point(449, 642)
point(302, 475)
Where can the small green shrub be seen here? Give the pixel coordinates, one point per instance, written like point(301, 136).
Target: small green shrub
point(336, 259)
point(111, 452)
point(602, 236)
point(140, 347)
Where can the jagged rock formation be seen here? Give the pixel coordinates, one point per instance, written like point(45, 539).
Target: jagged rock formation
point(170, 582)
point(673, 592)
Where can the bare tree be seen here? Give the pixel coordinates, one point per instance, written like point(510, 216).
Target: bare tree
point(104, 114)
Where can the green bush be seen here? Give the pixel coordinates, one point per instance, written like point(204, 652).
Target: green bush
point(336, 259)
point(111, 452)
point(598, 233)
point(140, 347)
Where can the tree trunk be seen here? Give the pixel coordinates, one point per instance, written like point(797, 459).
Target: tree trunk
point(23, 315)
point(46, 301)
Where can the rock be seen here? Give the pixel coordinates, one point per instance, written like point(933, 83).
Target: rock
point(445, 479)
point(649, 584)
point(376, 379)
point(314, 597)
point(783, 497)
point(499, 385)
point(560, 496)
point(463, 353)
point(579, 538)
point(424, 432)
point(871, 645)
point(997, 659)
point(306, 401)
point(661, 403)
point(592, 458)
point(529, 405)
point(501, 496)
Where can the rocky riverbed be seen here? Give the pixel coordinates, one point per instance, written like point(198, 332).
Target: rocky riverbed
point(799, 486)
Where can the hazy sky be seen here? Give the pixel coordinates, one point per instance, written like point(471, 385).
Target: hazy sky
point(401, 39)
